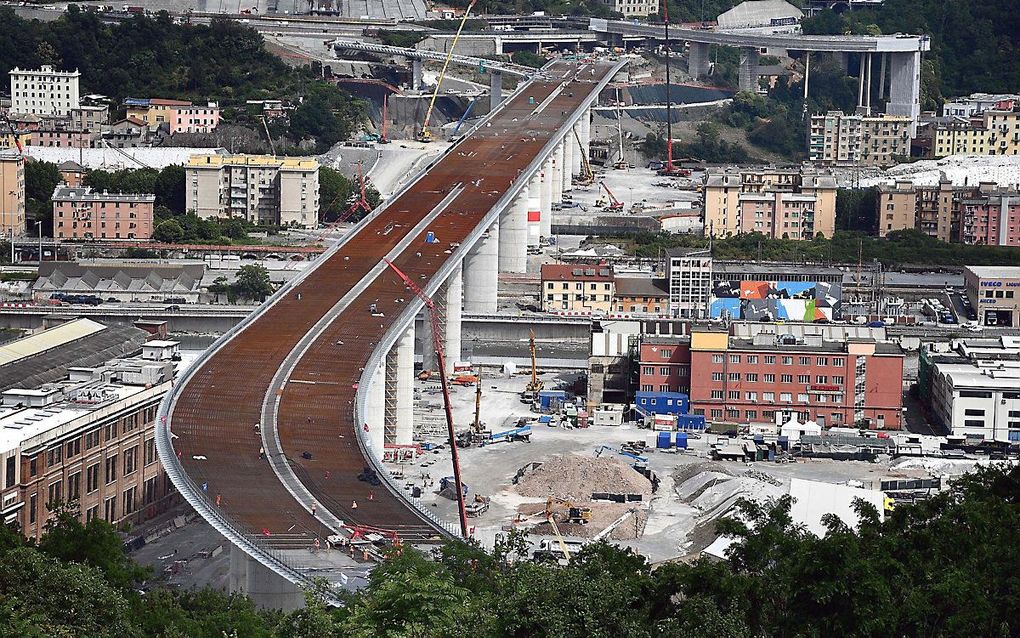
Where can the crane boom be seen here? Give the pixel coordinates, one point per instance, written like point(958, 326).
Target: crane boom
point(437, 344)
point(614, 204)
point(589, 175)
point(424, 135)
point(14, 134)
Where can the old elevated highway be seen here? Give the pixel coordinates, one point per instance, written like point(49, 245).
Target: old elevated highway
point(265, 435)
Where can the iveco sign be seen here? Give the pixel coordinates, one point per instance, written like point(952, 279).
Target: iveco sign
point(1000, 284)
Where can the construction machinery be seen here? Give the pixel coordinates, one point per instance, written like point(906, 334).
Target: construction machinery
point(611, 204)
point(476, 427)
point(382, 133)
point(269, 138)
point(424, 135)
point(621, 163)
point(575, 513)
point(535, 385)
point(437, 346)
point(357, 203)
point(14, 133)
point(587, 177)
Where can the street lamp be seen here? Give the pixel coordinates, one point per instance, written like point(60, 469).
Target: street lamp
point(38, 229)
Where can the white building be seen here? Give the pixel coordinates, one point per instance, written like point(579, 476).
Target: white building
point(44, 92)
point(762, 16)
point(978, 103)
point(690, 283)
point(974, 390)
point(631, 8)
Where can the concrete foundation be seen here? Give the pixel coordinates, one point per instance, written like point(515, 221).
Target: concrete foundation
point(495, 89)
point(265, 587)
point(698, 63)
point(748, 77)
point(513, 234)
point(405, 388)
point(481, 273)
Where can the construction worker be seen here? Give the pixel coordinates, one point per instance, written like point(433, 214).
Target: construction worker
point(354, 505)
point(313, 510)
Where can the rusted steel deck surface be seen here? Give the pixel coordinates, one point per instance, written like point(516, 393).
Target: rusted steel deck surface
point(214, 416)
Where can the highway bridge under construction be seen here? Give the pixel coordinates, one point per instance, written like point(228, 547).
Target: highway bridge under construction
point(267, 434)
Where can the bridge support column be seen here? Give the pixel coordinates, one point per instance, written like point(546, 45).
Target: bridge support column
point(748, 76)
point(513, 233)
point(586, 134)
point(535, 215)
point(404, 412)
point(557, 183)
point(481, 273)
point(265, 587)
point(495, 89)
point(453, 298)
point(698, 61)
point(576, 141)
point(375, 410)
point(905, 86)
point(569, 143)
point(416, 74)
point(545, 200)
point(882, 74)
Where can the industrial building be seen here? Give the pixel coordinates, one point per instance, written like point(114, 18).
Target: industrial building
point(995, 292)
point(665, 364)
point(81, 213)
point(262, 189)
point(689, 273)
point(119, 281)
point(44, 92)
point(772, 377)
point(779, 203)
point(89, 440)
point(838, 139)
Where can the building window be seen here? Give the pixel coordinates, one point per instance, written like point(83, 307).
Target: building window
point(787, 361)
point(664, 371)
point(716, 414)
point(752, 358)
point(768, 396)
point(733, 395)
point(802, 398)
point(838, 380)
point(839, 362)
point(33, 505)
point(734, 376)
point(91, 513)
point(74, 487)
point(129, 500)
point(111, 469)
point(717, 376)
point(734, 358)
point(149, 491)
point(10, 471)
point(751, 414)
point(92, 478)
point(73, 448)
point(770, 359)
point(786, 378)
point(717, 358)
point(150, 450)
point(130, 460)
point(648, 370)
point(752, 377)
point(785, 396)
point(110, 509)
point(717, 394)
point(665, 353)
point(33, 467)
point(752, 396)
point(92, 439)
point(111, 432)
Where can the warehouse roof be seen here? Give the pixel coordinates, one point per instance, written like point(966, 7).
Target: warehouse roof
point(62, 276)
point(641, 287)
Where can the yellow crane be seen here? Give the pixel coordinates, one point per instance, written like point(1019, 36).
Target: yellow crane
point(535, 385)
point(424, 135)
point(587, 175)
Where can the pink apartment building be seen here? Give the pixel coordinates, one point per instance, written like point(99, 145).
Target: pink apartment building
point(79, 213)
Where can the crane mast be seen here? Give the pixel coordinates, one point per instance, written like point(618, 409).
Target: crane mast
point(424, 135)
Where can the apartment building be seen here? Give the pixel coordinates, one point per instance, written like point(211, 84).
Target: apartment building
point(665, 364)
point(92, 117)
point(12, 193)
point(975, 214)
point(180, 116)
point(779, 203)
point(977, 103)
point(260, 188)
point(838, 139)
point(87, 440)
point(633, 8)
point(972, 387)
point(689, 275)
point(991, 132)
point(643, 295)
point(44, 92)
point(577, 288)
point(80, 213)
point(770, 375)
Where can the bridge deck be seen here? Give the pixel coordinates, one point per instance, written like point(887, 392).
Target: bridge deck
point(215, 412)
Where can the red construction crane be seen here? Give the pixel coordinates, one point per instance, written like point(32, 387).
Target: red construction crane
point(614, 204)
point(437, 345)
point(359, 204)
point(14, 134)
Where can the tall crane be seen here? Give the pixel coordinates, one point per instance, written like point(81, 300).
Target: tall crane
point(587, 175)
point(535, 385)
point(424, 135)
point(437, 345)
point(613, 203)
point(359, 204)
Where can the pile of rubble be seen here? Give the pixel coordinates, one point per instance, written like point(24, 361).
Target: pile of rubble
point(575, 478)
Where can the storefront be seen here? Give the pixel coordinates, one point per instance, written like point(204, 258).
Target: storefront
point(995, 293)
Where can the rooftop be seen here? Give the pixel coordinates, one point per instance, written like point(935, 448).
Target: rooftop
point(85, 194)
point(995, 272)
point(641, 287)
point(100, 278)
point(52, 338)
point(570, 272)
point(219, 160)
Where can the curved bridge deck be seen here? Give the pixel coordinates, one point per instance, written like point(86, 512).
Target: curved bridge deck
point(214, 413)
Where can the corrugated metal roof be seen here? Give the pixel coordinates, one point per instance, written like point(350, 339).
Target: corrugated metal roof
point(47, 339)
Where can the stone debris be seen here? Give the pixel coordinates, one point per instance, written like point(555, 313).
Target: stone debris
point(574, 478)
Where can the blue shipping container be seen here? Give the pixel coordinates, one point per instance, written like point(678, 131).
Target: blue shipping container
point(691, 422)
point(663, 442)
point(681, 440)
point(662, 402)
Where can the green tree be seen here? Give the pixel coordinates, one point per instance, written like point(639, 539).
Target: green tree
point(169, 232)
point(253, 282)
point(95, 544)
point(41, 178)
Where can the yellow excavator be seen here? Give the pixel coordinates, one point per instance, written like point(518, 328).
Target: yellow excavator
point(424, 135)
point(535, 385)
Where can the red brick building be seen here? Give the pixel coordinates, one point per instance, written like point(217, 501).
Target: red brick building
point(834, 383)
point(665, 364)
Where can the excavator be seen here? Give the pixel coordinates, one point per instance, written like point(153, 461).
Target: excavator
point(424, 135)
point(535, 385)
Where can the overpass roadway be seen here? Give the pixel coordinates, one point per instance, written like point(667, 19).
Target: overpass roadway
point(301, 366)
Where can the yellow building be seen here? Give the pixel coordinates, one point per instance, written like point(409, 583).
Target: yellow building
point(989, 133)
point(580, 289)
point(12, 193)
point(7, 139)
point(779, 203)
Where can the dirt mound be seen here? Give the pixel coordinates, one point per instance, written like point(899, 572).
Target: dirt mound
point(574, 478)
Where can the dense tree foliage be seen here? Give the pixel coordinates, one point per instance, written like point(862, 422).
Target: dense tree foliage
point(166, 184)
point(945, 567)
point(41, 178)
point(707, 145)
point(337, 192)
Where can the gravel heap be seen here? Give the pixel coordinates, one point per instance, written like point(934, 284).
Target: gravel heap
point(574, 478)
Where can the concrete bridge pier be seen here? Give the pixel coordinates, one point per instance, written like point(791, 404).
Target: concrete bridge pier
point(698, 61)
point(416, 75)
point(545, 200)
point(748, 76)
point(375, 413)
point(481, 273)
point(452, 296)
point(569, 144)
point(403, 353)
point(265, 587)
point(534, 224)
point(556, 194)
point(585, 133)
point(495, 89)
point(905, 86)
point(574, 137)
point(513, 233)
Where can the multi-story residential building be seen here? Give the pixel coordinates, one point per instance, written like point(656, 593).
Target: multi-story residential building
point(260, 188)
point(991, 217)
point(45, 91)
point(972, 387)
point(62, 137)
point(80, 213)
point(991, 132)
point(779, 203)
point(128, 133)
point(773, 376)
point(633, 8)
point(90, 117)
point(577, 288)
point(12, 193)
point(978, 103)
point(88, 440)
point(665, 364)
point(838, 139)
point(180, 116)
point(72, 173)
point(982, 213)
point(689, 274)
point(995, 292)
point(644, 295)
